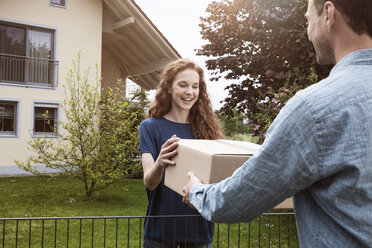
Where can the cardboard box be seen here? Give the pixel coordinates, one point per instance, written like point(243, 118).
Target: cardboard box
point(211, 160)
point(286, 204)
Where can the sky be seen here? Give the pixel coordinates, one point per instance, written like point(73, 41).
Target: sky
point(178, 21)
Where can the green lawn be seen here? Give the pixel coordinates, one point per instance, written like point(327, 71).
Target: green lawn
point(47, 197)
point(63, 197)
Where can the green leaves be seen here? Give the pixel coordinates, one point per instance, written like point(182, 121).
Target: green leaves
point(276, 99)
point(98, 141)
point(256, 43)
point(233, 125)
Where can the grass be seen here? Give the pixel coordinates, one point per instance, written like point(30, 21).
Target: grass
point(47, 197)
point(63, 197)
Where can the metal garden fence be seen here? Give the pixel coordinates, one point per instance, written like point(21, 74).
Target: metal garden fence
point(268, 230)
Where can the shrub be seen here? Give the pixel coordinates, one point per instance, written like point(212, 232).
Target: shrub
point(98, 141)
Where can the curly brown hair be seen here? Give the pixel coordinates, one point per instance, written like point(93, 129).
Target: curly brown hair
point(204, 122)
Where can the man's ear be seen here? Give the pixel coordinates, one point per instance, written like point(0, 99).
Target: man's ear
point(329, 12)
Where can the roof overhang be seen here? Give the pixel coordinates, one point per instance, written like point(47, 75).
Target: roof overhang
point(138, 47)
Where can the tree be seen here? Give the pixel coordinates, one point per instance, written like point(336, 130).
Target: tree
point(232, 125)
point(98, 142)
point(119, 130)
point(275, 100)
point(256, 43)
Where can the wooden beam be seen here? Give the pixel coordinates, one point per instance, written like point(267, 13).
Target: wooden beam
point(122, 24)
point(148, 68)
point(151, 81)
point(147, 29)
point(141, 82)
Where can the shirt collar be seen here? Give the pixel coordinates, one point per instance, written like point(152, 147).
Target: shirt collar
point(363, 56)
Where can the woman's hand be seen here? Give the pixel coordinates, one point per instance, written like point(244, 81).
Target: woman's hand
point(168, 150)
point(153, 171)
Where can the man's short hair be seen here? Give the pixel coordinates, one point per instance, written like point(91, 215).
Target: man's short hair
point(357, 13)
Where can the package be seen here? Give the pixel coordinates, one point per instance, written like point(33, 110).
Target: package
point(211, 160)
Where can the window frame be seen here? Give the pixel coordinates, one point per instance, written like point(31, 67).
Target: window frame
point(17, 118)
point(46, 104)
point(58, 5)
point(27, 27)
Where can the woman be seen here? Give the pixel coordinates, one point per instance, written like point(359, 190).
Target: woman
point(181, 109)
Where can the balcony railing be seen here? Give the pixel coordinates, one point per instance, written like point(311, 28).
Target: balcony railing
point(268, 230)
point(29, 71)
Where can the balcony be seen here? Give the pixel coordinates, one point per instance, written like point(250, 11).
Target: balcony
point(28, 71)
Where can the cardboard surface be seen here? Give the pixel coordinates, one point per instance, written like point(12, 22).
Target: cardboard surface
point(212, 161)
point(286, 204)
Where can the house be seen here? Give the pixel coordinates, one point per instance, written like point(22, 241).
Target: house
point(39, 39)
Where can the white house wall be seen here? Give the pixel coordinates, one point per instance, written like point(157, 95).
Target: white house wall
point(78, 28)
point(111, 70)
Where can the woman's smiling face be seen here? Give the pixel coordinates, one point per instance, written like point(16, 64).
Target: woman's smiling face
point(184, 90)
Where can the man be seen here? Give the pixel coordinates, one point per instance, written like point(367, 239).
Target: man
point(319, 148)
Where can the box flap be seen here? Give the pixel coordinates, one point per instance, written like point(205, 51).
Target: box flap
point(245, 144)
point(222, 147)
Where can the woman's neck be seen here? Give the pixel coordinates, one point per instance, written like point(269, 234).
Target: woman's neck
point(178, 116)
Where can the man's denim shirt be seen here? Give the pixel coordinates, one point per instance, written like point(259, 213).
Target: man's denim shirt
point(319, 150)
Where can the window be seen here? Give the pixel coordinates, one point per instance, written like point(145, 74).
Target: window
point(27, 55)
point(45, 119)
point(8, 118)
point(58, 3)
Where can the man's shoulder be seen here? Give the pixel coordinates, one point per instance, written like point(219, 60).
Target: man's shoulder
point(313, 92)
point(336, 92)
point(348, 79)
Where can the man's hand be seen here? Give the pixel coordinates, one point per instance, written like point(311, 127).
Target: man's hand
point(193, 179)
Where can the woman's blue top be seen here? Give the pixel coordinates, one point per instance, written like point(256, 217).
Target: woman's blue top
point(153, 133)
